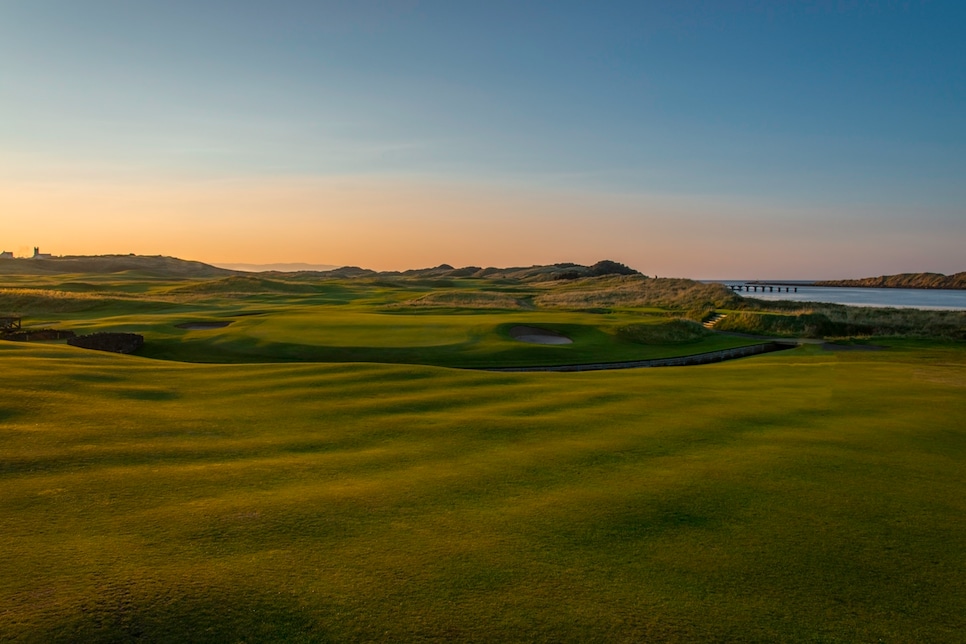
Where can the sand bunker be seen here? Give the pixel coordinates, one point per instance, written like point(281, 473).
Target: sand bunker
point(538, 336)
point(200, 326)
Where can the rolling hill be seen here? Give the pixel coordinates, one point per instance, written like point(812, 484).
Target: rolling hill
point(149, 265)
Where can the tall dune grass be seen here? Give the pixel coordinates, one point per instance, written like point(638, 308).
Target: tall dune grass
point(636, 291)
point(469, 299)
point(24, 301)
point(815, 319)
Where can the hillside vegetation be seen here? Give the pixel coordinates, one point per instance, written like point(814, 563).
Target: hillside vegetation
point(904, 280)
point(470, 299)
point(155, 266)
point(244, 284)
point(671, 332)
point(638, 291)
point(821, 320)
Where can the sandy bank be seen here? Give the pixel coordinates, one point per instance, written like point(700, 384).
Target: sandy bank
point(536, 335)
point(199, 326)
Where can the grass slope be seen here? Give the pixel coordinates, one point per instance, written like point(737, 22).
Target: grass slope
point(804, 496)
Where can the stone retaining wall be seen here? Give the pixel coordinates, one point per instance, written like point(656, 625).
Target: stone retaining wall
point(38, 335)
point(680, 361)
point(114, 342)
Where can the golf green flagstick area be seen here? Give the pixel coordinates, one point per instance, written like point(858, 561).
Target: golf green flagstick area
point(317, 471)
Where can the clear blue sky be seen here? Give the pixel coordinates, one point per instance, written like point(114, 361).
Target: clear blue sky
point(773, 134)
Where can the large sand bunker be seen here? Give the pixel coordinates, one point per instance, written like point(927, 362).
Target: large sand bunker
point(535, 335)
point(200, 326)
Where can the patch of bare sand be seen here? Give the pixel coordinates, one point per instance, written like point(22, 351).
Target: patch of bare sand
point(200, 326)
point(535, 335)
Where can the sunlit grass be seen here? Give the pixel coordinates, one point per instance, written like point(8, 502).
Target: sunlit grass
point(325, 482)
point(387, 321)
point(806, 496)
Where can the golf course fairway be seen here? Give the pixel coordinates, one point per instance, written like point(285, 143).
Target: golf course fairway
point(808, 495)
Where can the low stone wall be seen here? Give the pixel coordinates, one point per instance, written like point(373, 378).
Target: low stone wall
point(38, 335)
point(680, 361)
point(113, 342)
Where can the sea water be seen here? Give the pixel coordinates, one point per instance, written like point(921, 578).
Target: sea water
point(900, 298)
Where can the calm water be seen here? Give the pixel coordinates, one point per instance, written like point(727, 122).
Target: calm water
point(902, 298)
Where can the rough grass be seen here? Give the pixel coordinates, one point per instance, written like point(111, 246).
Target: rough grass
point(636, 291)
point(470, 299)
point(813, 319)
point(246, 284)
point(24, 301)
point(803, 496)
point(805, 325)
point(673, 332)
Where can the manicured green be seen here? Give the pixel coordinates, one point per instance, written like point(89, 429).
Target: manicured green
point(802, 496)
point(457, 323)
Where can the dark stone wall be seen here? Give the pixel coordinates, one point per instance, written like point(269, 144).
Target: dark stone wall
point(38, 335)
point(114, 342)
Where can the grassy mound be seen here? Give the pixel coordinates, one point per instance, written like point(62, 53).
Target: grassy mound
point(833, 320)
point(675, 332)
point(469, 299)
point(637, 291)
point(42, 301)
point(805, 325)
point(245, 284)
point(154, 265)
